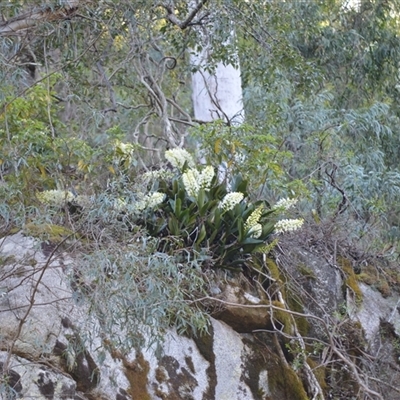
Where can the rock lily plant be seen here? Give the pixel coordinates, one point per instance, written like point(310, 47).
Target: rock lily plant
point(203, 216)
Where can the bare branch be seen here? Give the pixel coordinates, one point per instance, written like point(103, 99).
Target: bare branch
point(109, 87)
point(3, 107)
point(188, 21)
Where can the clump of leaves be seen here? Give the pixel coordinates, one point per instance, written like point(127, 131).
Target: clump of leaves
point(200, 215)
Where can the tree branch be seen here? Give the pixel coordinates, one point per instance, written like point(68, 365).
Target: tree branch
point(31, 18)
point(109, 87)
point(188, 21)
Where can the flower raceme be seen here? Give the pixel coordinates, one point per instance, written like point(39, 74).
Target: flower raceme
point(55, 197)
point(285, 204)
point(154, 199)
point(288, 225)
point(193, 180)
point(230, 200)
point(254, 217)
point(252, 225)
point(178, 157)
point(206, 177)
point(150, 201)
point(190, 180)
point(157, 174)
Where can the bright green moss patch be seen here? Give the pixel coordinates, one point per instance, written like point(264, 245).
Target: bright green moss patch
point(273, 269)
point(284, 379)
point(50, 232)
point(350, 278)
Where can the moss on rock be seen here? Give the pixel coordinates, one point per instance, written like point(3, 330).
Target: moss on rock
point(350, 278)
point(285, 381)
point(282, 382)
point(49, 232)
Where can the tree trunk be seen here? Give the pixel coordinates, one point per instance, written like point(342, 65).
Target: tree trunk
point(218, 95)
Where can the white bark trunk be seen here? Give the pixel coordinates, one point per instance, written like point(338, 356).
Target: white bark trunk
point(219, 95)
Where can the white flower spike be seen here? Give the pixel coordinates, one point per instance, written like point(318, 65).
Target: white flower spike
point(177, 157)
point(230, 200)
point(206, 177)
point(288, 225)
point(55, 197)
point(285, 204)
point(154, 199)
point(191, 182)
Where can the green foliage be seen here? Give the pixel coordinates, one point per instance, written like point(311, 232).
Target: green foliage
point(35, 152)
point(322, 81)
point(147, 292)
point(252, 151)
point(319, 84)
point(198, 224)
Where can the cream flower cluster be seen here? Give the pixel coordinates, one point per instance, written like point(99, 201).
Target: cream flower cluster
point(288, 225)
point(55, 197)
point(178, 157)
point(206, 177)
point(150, 201)
point(254, 217)
point(123, 149)
point(157, 174)
point(252, 224)
point(230, 200)
point(193, 180)
point(154, 199)
point(123, 152)
point(285, 204)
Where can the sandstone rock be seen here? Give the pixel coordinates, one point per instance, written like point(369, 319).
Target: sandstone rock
point(373, 311)
point(236, 313)
point(57, 354)
point(30, 380)
point(35, 296)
